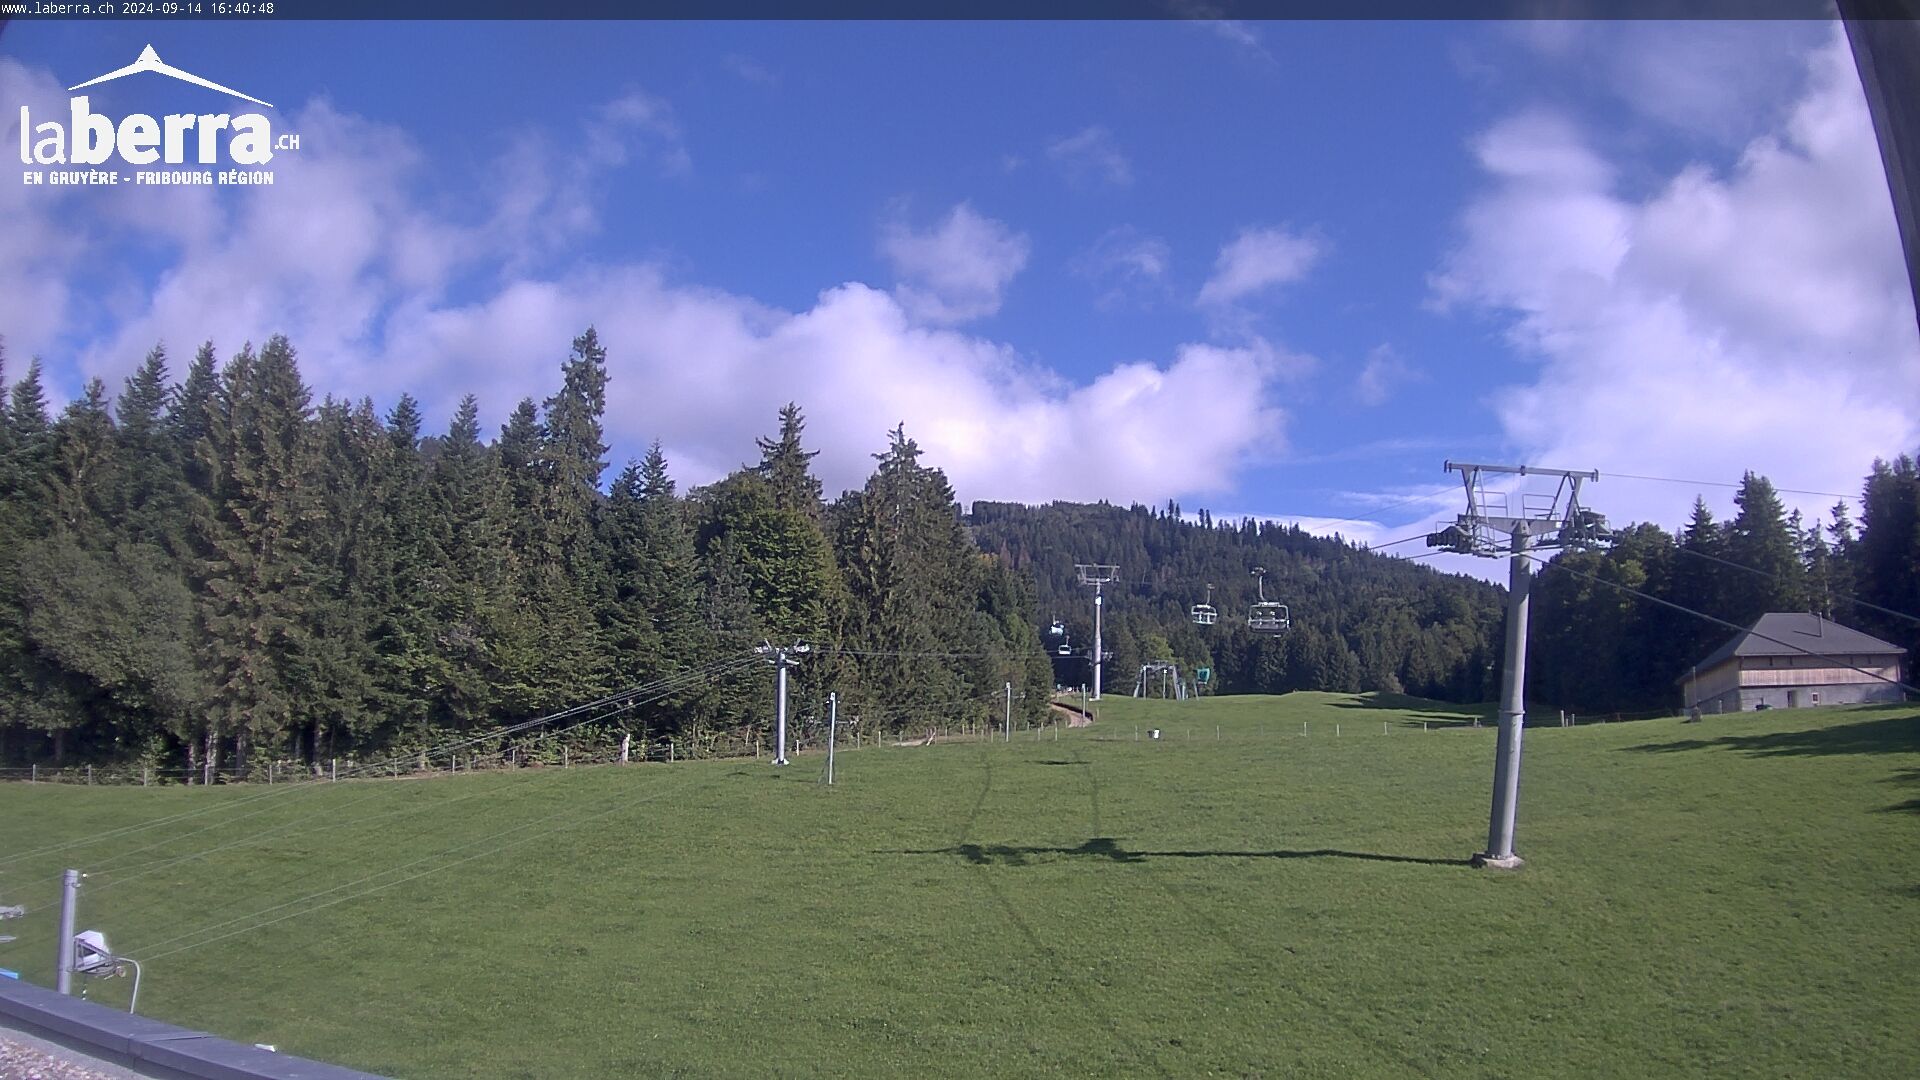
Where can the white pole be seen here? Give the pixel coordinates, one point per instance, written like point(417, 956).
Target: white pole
point(1097, 603)
point(1009, 737)
point(69, 897)
point(780, 709)
point(833, 728)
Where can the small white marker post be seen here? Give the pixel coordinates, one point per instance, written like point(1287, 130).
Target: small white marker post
point(833, 729)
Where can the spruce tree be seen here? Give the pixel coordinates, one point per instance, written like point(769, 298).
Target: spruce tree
point(1761, 540)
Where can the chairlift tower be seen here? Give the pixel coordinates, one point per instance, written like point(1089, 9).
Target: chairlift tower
point(781, 657)
point(1096, 575)
point(1489, 529)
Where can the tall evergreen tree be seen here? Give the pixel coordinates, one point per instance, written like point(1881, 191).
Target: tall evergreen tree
point(255, 574)
point(784, 464)
point(1761, 540)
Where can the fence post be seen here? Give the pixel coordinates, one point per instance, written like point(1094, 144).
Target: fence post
point(35, 778)
point(334, 768)
point(144, 771)
point(89, 774)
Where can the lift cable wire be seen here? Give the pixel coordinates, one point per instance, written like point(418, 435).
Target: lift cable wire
point(1857, 602)
point(127, 873)
point(565, 812)
point(1724, 484)
point(661, 689)
point(372, 766)
point(1834, 660)
point(570, 817)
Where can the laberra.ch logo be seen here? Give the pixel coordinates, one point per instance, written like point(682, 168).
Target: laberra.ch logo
point(103, 145)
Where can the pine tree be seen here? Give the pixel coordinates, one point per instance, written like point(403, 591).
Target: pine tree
point(1888, 552)
point(469, 610)
point(784, 464)
point(255, 575)
point(1761, 540)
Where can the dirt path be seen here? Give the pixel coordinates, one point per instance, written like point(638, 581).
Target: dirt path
point(1074, 717)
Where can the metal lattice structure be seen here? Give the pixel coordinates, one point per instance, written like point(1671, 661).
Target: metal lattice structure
point(1550, 519)
point(1164, 674)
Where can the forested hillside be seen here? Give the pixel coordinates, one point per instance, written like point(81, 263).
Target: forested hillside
point(193, 573)
point(1361, 621)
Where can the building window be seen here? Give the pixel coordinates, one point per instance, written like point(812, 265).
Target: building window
point(1816, 697)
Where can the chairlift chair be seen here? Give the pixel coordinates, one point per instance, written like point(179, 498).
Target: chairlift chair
point(1267, 616)
point(1204, 614)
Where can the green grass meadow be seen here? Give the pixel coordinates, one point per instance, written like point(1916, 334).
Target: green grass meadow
point(1739, 897)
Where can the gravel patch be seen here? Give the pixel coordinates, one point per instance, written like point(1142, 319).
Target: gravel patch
point(22, 1061)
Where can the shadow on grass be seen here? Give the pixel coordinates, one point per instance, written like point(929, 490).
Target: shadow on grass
point(1911, 806)
point(1108, 848)
point(1439, 713)
point(1894, 734)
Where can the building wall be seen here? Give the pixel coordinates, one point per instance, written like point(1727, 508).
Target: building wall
point(1783, 697)
point(1710, 684)
point(1739, 683)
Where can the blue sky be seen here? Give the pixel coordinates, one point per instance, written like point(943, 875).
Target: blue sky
point(1276, 269)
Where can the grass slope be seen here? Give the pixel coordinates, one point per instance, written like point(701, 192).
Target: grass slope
point(1735, 898)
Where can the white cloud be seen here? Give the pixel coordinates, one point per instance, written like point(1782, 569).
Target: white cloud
point(1257, 260)
point(956, 270)
point(1756, 317)
point(1208, 16)
point(1384, 372)
point(42, 243)
point(1091, 156)
point(747, 69)
point(1713, 78)
point(1127, 264)
point(386, 285)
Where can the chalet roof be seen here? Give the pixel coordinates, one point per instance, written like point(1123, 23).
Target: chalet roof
point(1797, 633)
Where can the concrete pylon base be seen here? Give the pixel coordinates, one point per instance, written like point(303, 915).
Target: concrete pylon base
point(1496, 862)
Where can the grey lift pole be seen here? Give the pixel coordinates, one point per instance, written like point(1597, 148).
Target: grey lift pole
point(833, 728)
point(1009, 727)
point(1491, 528)
point(782, 659)
point(1096, 575)
point(69, 896)
point(1513, 708)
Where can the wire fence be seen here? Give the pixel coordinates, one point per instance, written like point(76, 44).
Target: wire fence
point(805, 736)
